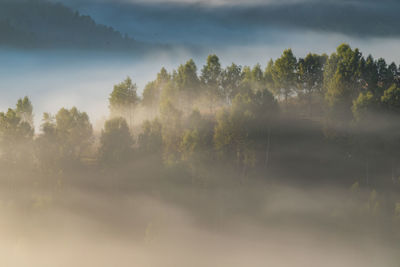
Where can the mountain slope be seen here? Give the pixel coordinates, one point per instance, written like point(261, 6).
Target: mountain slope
point(41, 24)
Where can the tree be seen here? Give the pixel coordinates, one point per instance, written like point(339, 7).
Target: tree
point(257, 76)
point(391, 104)
point(151, 95)
point(386, 74)
point(284, 74)
point(391, 98)
point(187, 84)
point(342, 82)
point(47, 143)
point(71, 132)
point(123, 100)
point(244, 128)
point(152, 91)
point(253, 79)
point(231, 81)
point(197, 140)
point(247, 82)
point(15, 136)
point(24, 110)
point(211, 79)
point(383, 137)
point(364, 106)
point(115, 142)
point(268, 75)
point(186, 77)
point(150, 139)
point(370, 75)
point(310, 71)
point(163, 77)
point(74, 130)
point(171, 119)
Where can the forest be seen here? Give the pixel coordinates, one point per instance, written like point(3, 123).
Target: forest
point(211, 139)
point(40, 24)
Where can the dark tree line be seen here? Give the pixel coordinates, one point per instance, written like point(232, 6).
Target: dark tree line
point(44, 24)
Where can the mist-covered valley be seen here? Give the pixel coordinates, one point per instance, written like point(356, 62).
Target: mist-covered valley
point(207, 133)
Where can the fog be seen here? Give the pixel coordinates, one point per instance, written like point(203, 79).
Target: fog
point(254, 225)
point(139, 213)
point(53, 79)
point(247, 179)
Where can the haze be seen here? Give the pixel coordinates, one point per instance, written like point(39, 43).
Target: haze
point(199, 133)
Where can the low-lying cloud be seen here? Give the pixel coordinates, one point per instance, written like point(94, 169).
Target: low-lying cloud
point(214, 21)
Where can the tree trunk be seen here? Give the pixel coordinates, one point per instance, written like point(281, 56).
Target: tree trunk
point(267, 148)
point(392, 172)
point(367, 172)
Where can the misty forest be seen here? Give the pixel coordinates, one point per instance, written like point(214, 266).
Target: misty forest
point(205, 138)
point(255, 141)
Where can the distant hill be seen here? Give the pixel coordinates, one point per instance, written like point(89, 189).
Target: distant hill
point(41, 24)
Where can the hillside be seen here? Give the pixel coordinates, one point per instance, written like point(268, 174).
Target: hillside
point(41, 24)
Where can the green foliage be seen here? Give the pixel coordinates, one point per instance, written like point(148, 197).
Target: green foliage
point(211, 72)
point(64, 137)
point(151, 95)
point(16, 132)
point(24, 110)
point(391, 98)
point(211, 79)
point(231, 82)
point(311, 73)
point(370, 74)
point(190, 144)
point(48, 150)
point(364, 105)
point(74, 129)
point(187, 82)
point(386, 74)
point(152, 91)
point(362, 99)
point(15, 136)
point(197, 140)
point(115, 142)
point(284, 74)
point(123, 100)
point(172, 129)
point(239, 128)
point(182, 89)
point(342, 80)
point(123, 96)
point(150, 140)
point(268, 75)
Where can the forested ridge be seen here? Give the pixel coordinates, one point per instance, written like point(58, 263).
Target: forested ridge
point(322, 119)
point(43, 24)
